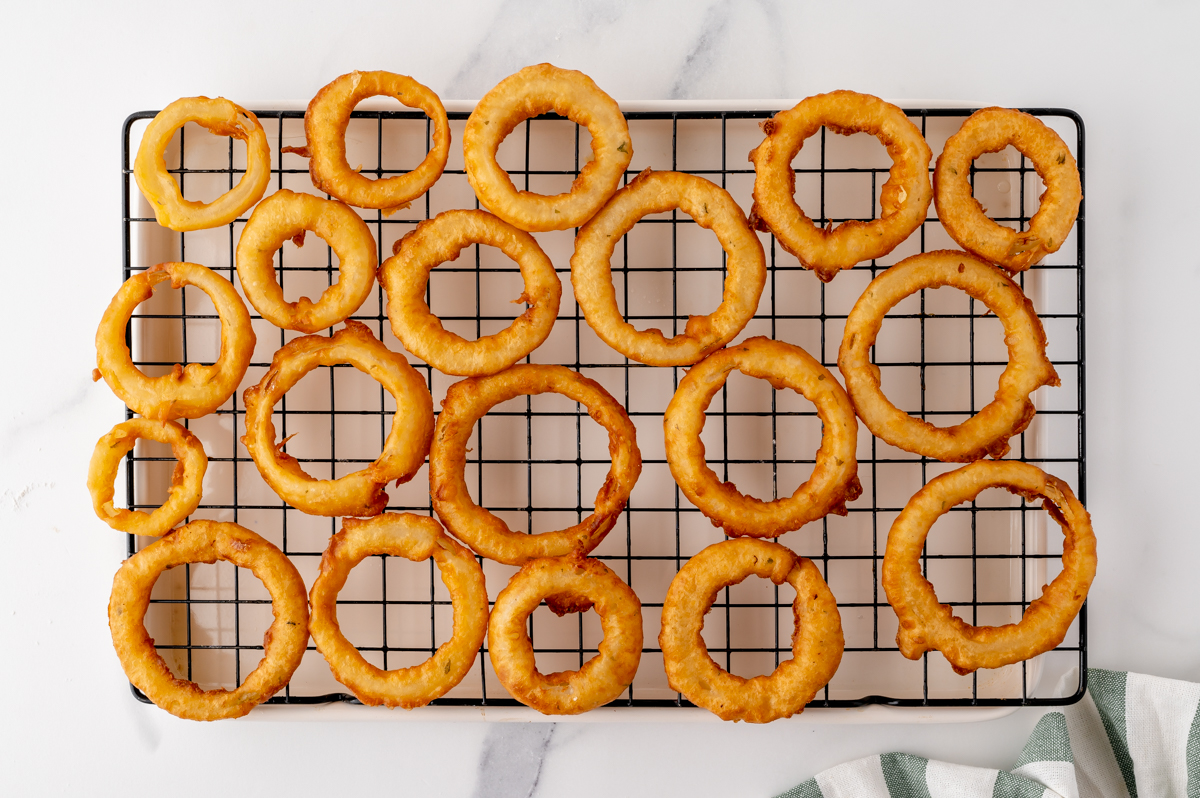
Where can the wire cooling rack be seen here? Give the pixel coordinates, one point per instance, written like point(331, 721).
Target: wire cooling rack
point(537, 461)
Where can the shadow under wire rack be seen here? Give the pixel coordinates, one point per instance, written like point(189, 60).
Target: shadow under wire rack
point(537, 461)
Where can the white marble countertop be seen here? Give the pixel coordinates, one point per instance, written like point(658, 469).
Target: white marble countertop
point(74, 74)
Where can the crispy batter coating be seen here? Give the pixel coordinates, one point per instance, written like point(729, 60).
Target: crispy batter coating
point(222, 118)
point(325, 124)
point(817, 641)
point(927, 625)
point(186, 480)
point(415, 538)
point(991, 130)
point(985, 433)
point(713, 208)
point(360, 493)
point(468, 401)
point(903, 201)
point(189, 391)
point(834, 480)
point(537, 90)
point(568, 584)
point(405, 277)
point(285, 215)
point(207, 542)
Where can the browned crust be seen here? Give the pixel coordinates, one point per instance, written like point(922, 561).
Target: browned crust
point(416, 538)
point(817, 640)
point(904, 198)
point(533, 91)
point(189, 391)
point(927, 625)
point(360, 493)
point(568, 584)
point(207, 542)
point(469, 400)
point(285, 215)
point(1010, 412)
point(713, 208)
point(834, 480)
point(991, 130)
point(222, 118)
point(187, 478)
point(325, 123)
point(405, 277)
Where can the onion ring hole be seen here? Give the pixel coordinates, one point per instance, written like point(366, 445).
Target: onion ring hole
point(204, 150)
point(211, 624)
point(949, 338)
point(452, 453)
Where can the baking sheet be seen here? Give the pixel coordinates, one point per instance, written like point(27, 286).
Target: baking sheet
point(543, 459)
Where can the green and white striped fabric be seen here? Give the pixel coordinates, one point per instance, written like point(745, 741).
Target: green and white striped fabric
point(1131, 735)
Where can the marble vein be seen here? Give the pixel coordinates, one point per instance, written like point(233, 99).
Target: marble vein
point(521, 33)
point(699, 60)
point(732, 34)
point(510, 765)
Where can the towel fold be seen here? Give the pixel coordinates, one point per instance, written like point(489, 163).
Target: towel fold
point(1130, 735)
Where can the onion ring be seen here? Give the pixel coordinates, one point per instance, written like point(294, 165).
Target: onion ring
point(991, 130)
point(189, 391)
point(533, 91)
point(817, 641)
point(207, 542)
point(325, 124)
point(186, 480)
point(926, 625)
point(360, 493)
point(405, 276)
point(285, 215)
point(468, 401)
point(903, 201)
point(835, 476)
point(985, 433)
point(415, 538)
point(712, 208)
point(222, 118)
point(568, 584)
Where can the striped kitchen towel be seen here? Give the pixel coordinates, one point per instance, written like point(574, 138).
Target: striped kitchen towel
point(1131, 735)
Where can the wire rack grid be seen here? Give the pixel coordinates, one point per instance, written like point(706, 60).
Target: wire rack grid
point(940, 356)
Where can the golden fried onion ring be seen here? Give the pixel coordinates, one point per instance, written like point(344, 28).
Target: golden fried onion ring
point(189, 391)
point(468, 401)
point(435, 241)
point(360, 493)
point(533, 91)
point(415, 538)
point(834, 480)
point(927, 625)
point(817, 641)
point(712, 208)
point(903, 201)
point(325, 124)
point(991, 130)
point(985, 433)
point(285, 215)
point(222, 118)
point(186, 480)
point(207, 542)
point(568, 584)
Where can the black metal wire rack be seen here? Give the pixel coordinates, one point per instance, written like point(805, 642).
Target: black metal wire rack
point(536, 461)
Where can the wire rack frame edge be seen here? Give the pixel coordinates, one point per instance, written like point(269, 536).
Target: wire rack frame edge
point(779, 263)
